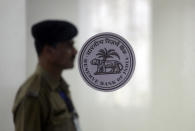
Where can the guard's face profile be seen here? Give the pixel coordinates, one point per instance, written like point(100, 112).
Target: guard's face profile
point(63, 54)
point(54, 43)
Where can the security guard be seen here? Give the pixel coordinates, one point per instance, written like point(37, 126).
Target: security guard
point(43, 102)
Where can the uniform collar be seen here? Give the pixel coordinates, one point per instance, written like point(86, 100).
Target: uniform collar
point(53, 83)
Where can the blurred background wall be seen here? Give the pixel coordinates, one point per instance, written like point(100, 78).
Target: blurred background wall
point(173, 102)
point(12, 56)
point(159, 97)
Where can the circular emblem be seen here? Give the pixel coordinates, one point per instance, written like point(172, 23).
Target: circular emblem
point(106, 61)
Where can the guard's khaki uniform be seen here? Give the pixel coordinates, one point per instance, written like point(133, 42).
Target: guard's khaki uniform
point(39, 107)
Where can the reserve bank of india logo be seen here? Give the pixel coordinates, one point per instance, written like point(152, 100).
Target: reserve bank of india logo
point(106, 61)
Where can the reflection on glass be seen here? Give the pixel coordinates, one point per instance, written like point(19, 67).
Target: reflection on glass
point(130, 19)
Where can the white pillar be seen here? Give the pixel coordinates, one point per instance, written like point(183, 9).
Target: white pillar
point(12, 56)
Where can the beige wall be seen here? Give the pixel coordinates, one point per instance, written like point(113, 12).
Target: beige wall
point(172, 61)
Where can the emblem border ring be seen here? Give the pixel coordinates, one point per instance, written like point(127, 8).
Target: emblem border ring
point(130, 53)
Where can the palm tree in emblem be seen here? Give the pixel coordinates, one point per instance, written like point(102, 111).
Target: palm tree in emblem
point(104, 63)
point(105, 66)
point(105, 54)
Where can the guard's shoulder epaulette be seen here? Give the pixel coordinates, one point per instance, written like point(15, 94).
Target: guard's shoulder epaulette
point(34, 86)
point(31, 88)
